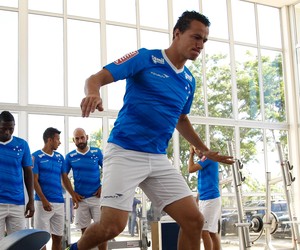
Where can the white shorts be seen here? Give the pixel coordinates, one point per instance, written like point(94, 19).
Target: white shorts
point(211, 210)
point(87, 210)
point(124, 170)
point(50, 221)
point(12, 218)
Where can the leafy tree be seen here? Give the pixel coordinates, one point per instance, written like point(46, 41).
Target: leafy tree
point(95, 139)
point(219, 81)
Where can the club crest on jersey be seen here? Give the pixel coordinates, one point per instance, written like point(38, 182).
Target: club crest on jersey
point(126, 57)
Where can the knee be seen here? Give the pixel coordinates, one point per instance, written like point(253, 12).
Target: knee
point(195, 223)
point(112, 230)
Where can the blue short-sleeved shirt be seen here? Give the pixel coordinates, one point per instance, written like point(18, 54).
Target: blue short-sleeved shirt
point(208, 179)
point(50, 169)
point(14, 156)
point(86, 170)
point(156, 95)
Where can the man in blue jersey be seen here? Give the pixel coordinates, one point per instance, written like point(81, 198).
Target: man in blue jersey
point(159, 94)
point(49, 201)
point(86, 163)
point(208, 195)
point(15, 160)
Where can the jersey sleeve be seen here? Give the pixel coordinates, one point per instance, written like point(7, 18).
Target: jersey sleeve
point(128, 65)
point(35, 168)
point(67, 165)
point(100, 161)
point(27, 159)
point(203, 162)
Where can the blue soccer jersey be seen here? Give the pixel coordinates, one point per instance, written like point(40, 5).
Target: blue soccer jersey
point(208, 179)
point(156, 95)
point(14, 156)
point(86, 170)
point(49, 168)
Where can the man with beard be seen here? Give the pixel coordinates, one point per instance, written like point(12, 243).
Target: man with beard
point(86, 163)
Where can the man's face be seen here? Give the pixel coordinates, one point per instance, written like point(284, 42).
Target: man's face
point(6, 130)
point(55, 141)
point(80, 139)
point(191, 42)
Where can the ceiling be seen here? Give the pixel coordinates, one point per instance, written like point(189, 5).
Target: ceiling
point(275, 3)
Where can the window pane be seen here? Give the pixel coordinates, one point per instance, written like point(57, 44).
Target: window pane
point(297, 19)
point(247, 83)
point(274, 136)
point(191, 179)
point(92, 127)
point(252, 158)
point(9, 3)
point(180, 6)
point(83, 8)
point(217, 17)
point(218, 79)
point(115, 11)
point(198, 105)
point(37, 124)
point(46, 5)
point(81, 62)
point(154, 40)
point(243, 16)
point(9, 56)
point(129, 43)
point(274, 99)
point(269, 26)
point(45, 68)
point(219, 136)
point(152, 16)
point(16, 117)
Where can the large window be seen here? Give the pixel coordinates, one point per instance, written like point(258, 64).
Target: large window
point(48, 49)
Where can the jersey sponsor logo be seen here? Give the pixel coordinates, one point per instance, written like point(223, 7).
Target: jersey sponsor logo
point(159, 75)
point(203, 158)
point(75, 160)
point(74, 154)
point(188, 77)
point(158, 60)
point(126, 57)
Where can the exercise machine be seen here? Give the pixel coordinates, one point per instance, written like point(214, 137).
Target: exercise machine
point(143, 242)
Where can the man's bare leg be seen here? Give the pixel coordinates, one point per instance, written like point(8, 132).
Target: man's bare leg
point(207, 241)
point(111, 224)
point(215, 238)
point(186, 213)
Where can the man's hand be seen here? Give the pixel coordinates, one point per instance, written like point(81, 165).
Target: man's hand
point(46, 205)
point(98, 193)
point(89, 104)
point(76, 198)
point(219, 158)
point(29, 211)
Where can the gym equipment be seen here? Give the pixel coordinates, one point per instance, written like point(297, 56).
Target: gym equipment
point(27, 239)
point(242, 224)
point(270, 222)
point(143, 243)
point(288, 179)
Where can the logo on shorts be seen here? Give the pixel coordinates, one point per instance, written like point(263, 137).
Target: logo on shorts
point(113, 196)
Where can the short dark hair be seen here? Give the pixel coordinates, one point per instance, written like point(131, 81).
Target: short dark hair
point(6, 116)
point(184, 21)
point(50, 133)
